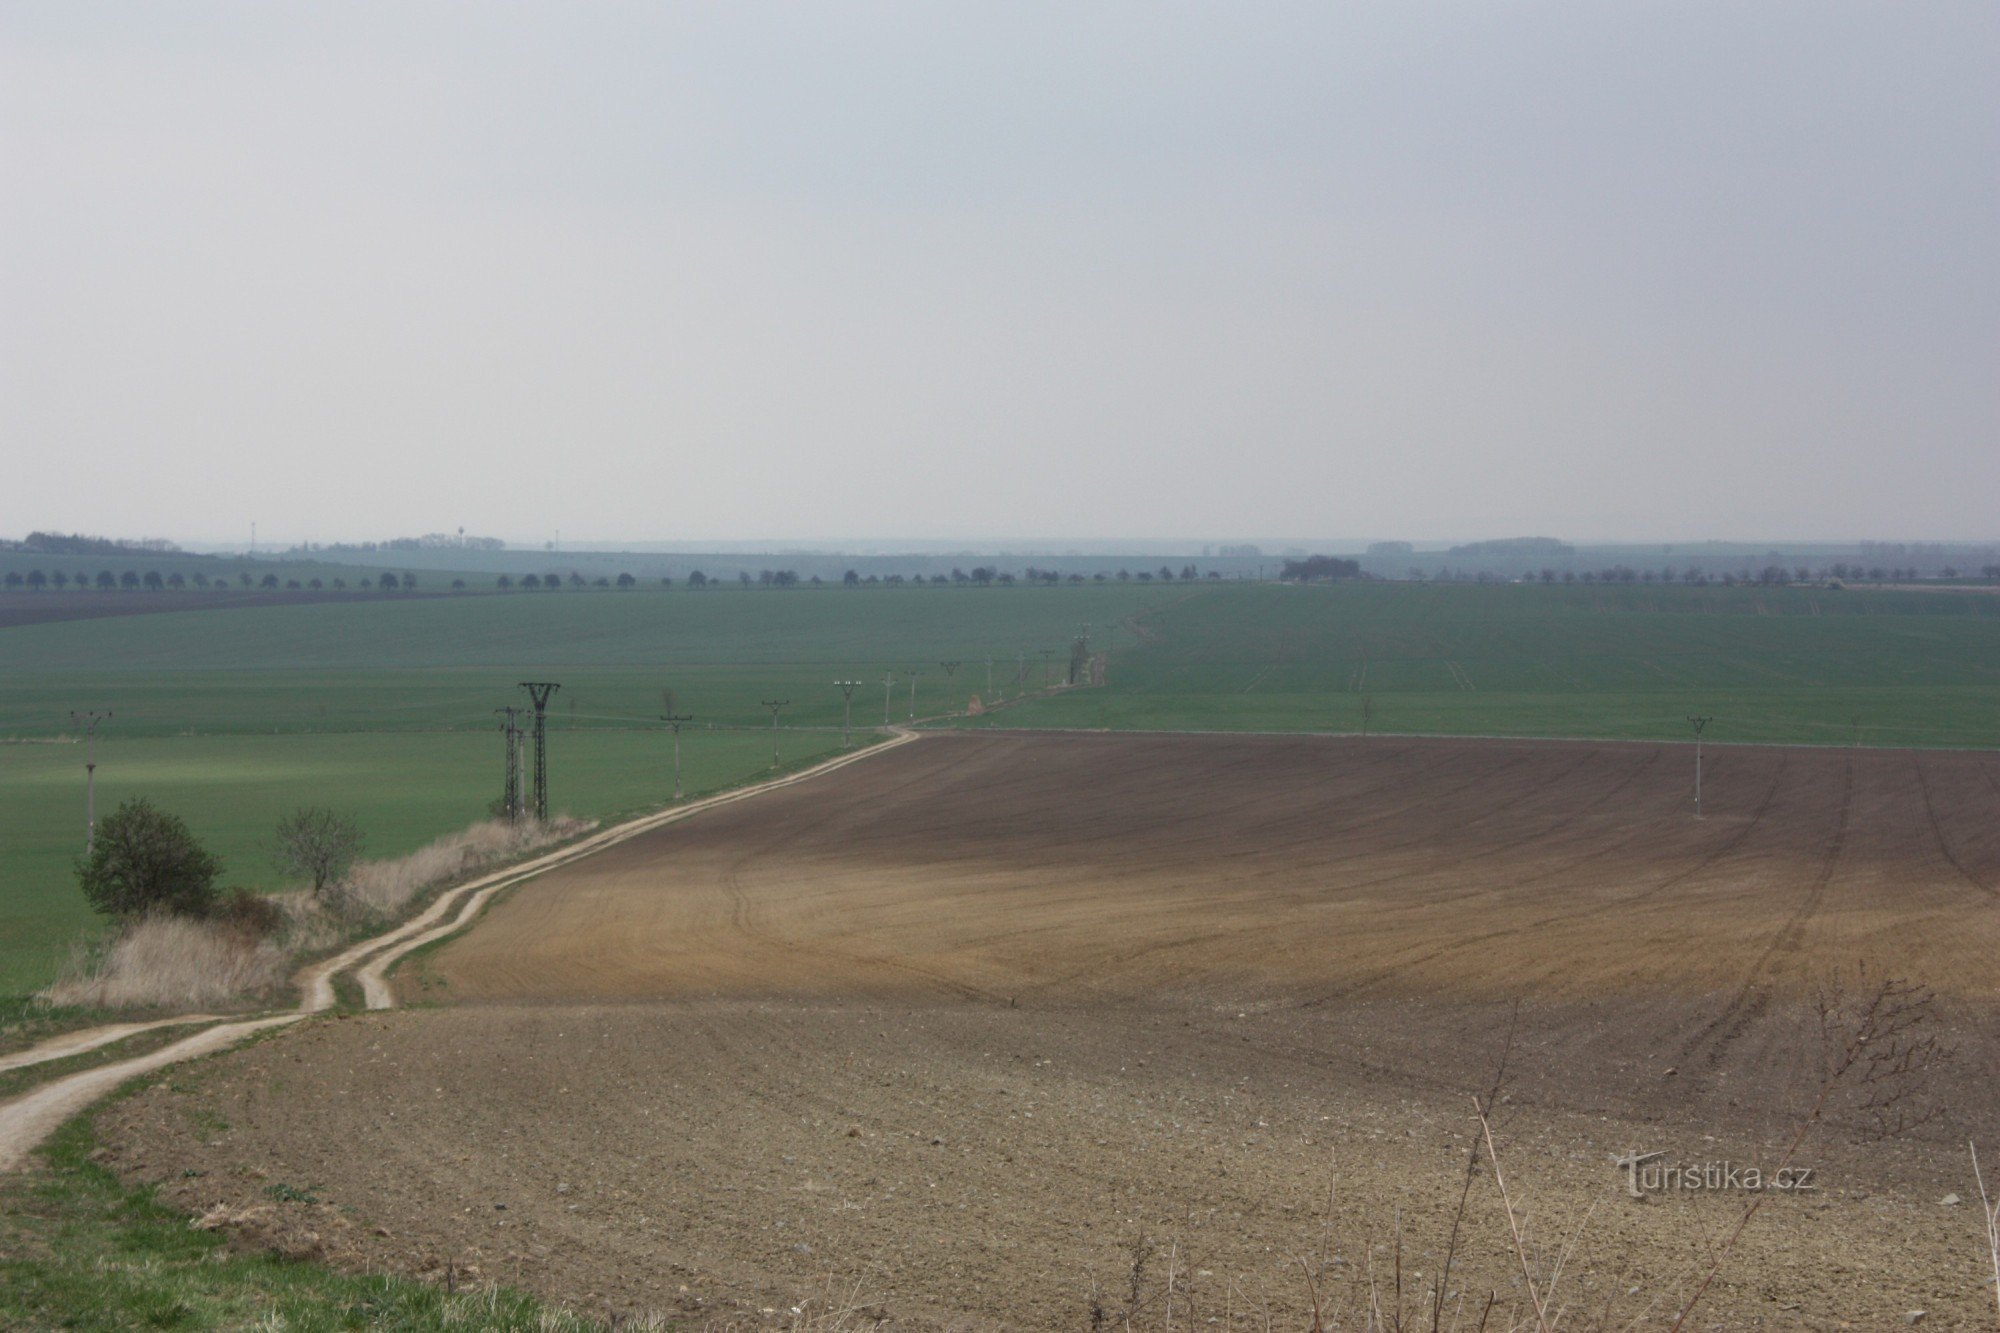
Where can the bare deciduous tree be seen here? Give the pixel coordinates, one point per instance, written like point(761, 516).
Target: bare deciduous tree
point(318, 844)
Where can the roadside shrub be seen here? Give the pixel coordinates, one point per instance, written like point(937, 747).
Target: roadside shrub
point(145, 860)
point(381, 888)
point(170, 962)
point(248, 943)
point(249, 914)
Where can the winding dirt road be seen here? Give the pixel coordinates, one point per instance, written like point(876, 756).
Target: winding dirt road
point(27, 1120)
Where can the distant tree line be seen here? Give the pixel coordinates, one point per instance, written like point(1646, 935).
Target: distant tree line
point(980, 576)
point(430, 541)
point(1315, 567)
point(1311, 568)
point(1538, 546)
point(75, 543)
point(1767, 576)
point(131, 580)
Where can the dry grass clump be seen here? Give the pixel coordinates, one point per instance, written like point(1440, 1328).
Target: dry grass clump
point(248, 949)
point(377, 889)
point(171, 961)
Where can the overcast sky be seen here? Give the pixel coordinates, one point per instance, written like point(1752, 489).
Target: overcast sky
point(667, 272)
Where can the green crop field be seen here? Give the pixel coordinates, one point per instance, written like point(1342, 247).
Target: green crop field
point(402, 664)
point(1806, 665)
point(232, 717)
point(403, 788)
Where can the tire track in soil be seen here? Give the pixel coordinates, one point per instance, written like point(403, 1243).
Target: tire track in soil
point(1270, 845)
point(1937, 831)
point(1388, 970)
point(1085, 974)
point(1283, 895)
point(1753, 998)
point(743, 917)
point(1196, 834)
point(1619, 904)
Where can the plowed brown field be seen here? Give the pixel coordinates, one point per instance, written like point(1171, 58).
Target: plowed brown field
point(958, 1022)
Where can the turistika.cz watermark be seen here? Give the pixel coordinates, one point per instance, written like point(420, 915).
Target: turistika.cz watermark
point(1649, 1173)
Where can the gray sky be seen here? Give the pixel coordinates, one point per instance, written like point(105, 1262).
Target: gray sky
point(941, 270)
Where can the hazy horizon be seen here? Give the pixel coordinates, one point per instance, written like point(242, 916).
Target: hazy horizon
point(1032, 545)
point(970, 273)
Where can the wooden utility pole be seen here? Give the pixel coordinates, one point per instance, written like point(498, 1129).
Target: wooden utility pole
point(774, 705)
point(1699, 723)
point(674, 721)
point(89, 718)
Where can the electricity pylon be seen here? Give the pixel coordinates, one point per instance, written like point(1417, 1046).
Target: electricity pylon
point(511, 797)
point(847, 689)
point(539, 692)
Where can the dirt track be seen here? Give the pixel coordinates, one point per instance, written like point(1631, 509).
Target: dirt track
point(1171, 983)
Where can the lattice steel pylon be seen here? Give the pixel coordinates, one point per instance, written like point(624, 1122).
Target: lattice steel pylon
point(539, 692)
point(511, 799)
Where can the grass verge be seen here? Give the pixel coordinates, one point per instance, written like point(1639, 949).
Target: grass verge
point(14, 1082)
point(26, 1020)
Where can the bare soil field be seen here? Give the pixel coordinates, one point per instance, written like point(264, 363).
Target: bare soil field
point(954, 1027)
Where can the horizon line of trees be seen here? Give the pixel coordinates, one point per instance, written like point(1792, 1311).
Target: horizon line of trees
point(1769, 576)
point(1310, 569)
point(131, 580)
point(982, 576)
point(430, 541)
point(77, 543)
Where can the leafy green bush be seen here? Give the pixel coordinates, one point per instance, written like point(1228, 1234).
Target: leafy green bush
point(145, 860)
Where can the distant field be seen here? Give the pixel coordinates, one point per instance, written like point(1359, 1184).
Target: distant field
point(386, 706)
point(447, 662)
point(1772, 665)
point(233, 717)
